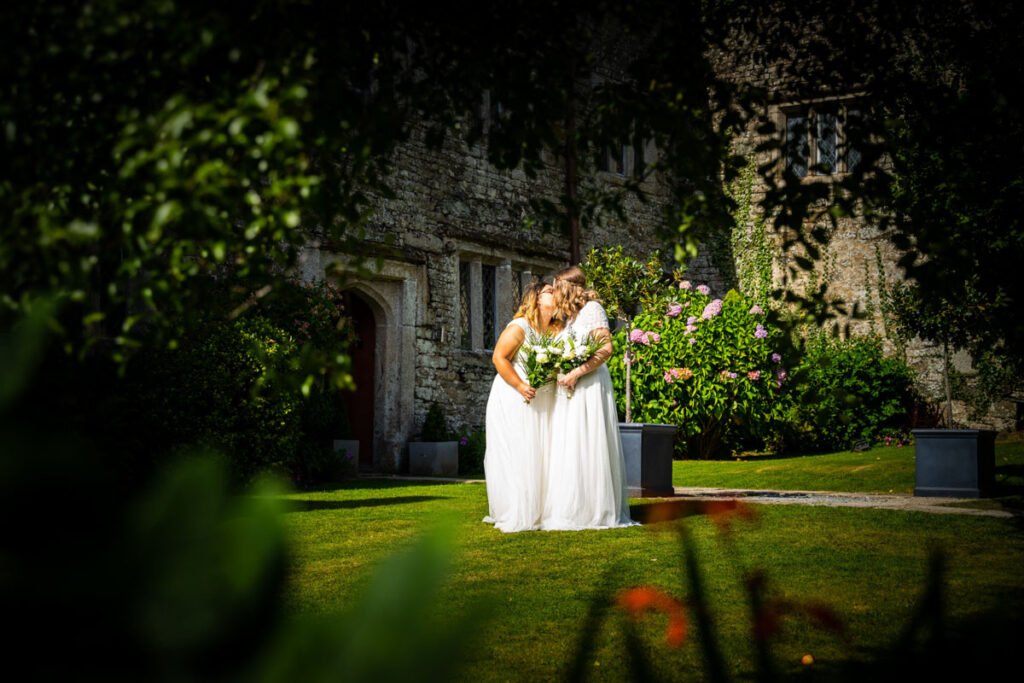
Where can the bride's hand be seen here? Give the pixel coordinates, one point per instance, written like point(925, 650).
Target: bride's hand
point(569, 381)
point(527, 391)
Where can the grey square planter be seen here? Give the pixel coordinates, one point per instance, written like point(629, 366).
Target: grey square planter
point(647, 449)
point(434, 458)
point(348, 449)
point(954, 462)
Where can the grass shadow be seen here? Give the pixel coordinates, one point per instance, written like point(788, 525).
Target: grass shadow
point(306, 505)
point(371, 484)
point(761, 457)
point(661, 510)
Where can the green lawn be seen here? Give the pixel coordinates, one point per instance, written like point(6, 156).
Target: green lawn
point(869, 565)
point(883, 470)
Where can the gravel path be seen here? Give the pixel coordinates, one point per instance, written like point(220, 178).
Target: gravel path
point(901, 501)
point(891, 501)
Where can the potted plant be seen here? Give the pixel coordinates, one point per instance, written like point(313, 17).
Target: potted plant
point(625, 285)
point(434, 453)
point(949, 461)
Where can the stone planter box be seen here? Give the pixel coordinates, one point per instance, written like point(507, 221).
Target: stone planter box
point(954, 462)
point(648, 453)
point(434, 458)
point(349, 450)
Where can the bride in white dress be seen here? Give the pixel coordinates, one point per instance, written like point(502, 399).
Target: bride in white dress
point(519, 422)
point(586, 482)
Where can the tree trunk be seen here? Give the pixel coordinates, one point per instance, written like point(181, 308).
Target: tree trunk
point(947, 386)
point(570, 173)
point(629, 374)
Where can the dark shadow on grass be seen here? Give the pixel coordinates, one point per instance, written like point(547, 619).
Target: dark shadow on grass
point(1013, 472)
point(669, 510)
point(763, 457)
point(977, 648)
point(304, 505)
point(371, 484)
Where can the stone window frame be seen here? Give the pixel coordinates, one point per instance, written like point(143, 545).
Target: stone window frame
point(627, 159)
point(505, 268)
point(811, 109)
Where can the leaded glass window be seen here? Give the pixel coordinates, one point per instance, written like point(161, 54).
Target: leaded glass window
point(487, 299)
point(826, 142)
point(613, 159)
point(852, 153)
point(517, 289)
point(465, 336)
point(817, 141)
point(797, 149)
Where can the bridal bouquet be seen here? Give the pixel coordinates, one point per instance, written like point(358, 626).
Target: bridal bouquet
point(542, 355)
point(574, 353)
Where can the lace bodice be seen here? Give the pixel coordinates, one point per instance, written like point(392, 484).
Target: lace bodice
point(591, 317)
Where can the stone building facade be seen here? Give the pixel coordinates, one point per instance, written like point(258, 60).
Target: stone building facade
point(452, 252)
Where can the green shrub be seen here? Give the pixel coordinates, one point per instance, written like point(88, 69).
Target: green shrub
point(435, 427)
point(233, 385)
point(472, 447)
point(847, 391)
point(703, 364)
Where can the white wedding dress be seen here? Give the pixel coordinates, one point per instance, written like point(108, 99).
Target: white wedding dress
point(515, 461)
point(586, 482)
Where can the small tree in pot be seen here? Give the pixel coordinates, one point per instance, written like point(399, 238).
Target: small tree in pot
point(435, 452)
point(948, 462)
point(625, 286)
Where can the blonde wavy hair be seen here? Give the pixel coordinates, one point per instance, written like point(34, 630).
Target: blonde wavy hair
point(530, 306)
point(571, 293)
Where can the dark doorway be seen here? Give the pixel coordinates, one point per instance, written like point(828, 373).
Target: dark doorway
point(361, 401)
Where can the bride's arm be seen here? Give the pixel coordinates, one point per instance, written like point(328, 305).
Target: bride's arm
point(604, 337)
point(504, 351)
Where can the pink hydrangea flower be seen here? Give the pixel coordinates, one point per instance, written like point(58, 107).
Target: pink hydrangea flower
point(756, 310)
point(692, 320)
point(654, 337)
point(712, 309)
point(636, 335)
point(754, 375)
point(780, 376)
point(674, 310)
point(704, 289)
point(760, 332)
point(675, 374)
point(692, 340)
point(776, 358)
point(685, 284)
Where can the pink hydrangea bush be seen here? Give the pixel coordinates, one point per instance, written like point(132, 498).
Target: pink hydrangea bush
point(716, 375)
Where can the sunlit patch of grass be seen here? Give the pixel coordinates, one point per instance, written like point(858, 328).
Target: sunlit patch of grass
point(878, 470)
point(870, 565)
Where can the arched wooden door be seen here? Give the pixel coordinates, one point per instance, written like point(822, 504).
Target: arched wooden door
point(360, 403)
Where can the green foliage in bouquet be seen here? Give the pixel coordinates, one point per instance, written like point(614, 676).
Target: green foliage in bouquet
point(708, 365)
point(541, 358)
